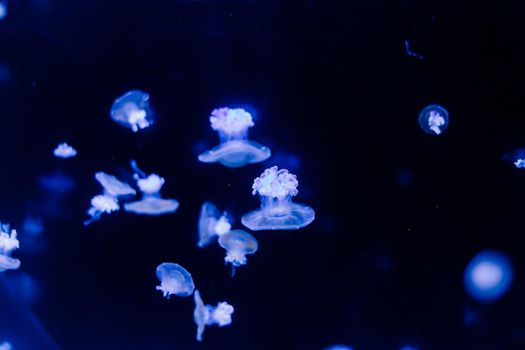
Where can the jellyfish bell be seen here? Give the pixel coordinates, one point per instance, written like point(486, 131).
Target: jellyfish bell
point(211, 224)
point(152, 206)
point(101, 204)
point(433, 119)
point(64, 150)
point(238, 244)
point(8, 243)
point(113, 186)
point(132, 110)
point(174, 279)
point(206, 315)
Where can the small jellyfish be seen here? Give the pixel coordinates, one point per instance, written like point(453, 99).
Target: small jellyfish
point(433, 119)
point(113, 186)
point(8, 243)
point(132, 110)
point(64, 150)
point(211, 224)
point(276, 189)
point(174, 279)
point(206, 315)
point(235, 150)
point(520, 163)
point(3, 8)
point(338, 347)
point(238, 244)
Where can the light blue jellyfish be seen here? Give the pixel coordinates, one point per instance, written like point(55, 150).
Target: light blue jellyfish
point(488, 276)
point(132, 110)
point(519, 163)
point(3, 9)
point(235, 150)
point(238, 244)
point(338, 347)
point(64, 150)
point(433, 119)
point(8, 243)
point(206, 315)
point(6, 346)
point(151, 203)
point(277, 212)
point(174, 279)
point(211, 224)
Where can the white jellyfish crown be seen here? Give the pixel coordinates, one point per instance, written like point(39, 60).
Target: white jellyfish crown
point(152, 184)
point(276, 183)
point(8, 240)
point(231, 121)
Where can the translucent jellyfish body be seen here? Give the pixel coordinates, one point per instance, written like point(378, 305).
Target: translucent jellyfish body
point(238, 244)
point(211, 224)
point(3, 8)
point(132, 110)
point(488, 276)
point(277, 212)
point(520, 163)
point(64, 150)
point(113, 186)
point(235, 150)
point(206, 315)
point(174, 280)
point(8, 243)
point(433, 119)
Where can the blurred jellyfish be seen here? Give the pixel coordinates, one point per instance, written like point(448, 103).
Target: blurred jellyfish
point(433, 119)
point(3, 8)
point(235, 150)
point(8, 243)
point(33, 225)
point(174, 279)
point(338, 347)
point(211, 224)
point(520, 163)
point(238, 244)
point(132, 110)
point(488, 276)
point(276, 189)
point(113, 186)
point(64, 150)
point(408, 347)
point(57, 183)
point(6, 346)
point(207, 315)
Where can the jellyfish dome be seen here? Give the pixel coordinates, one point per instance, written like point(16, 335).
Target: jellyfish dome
point(488, 276)
point(211, 224)
point(234, 150)
point(174, 279)
point(132, 110)
point(206, 315)
point(277, 212)
point(238, 244)
point(64, 150)
point(113, 186)
point(433, 119)
point(8, 243)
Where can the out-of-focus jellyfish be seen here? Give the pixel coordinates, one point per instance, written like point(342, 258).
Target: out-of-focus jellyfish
point(113, 186)
point(151, 203)
point(488, 276)
point(6, 346)
point(238, 244)
point(8, 243)
point(520, 163)
point(64, 150)
point(211, 224)
point(338, 347)
point(174, 279)
point(276, 189)
point(433, 119)
point(235, 150)
point(3, 9)
point(206, 315)
point(33, 225)
point(408, 347)
point(132, 110)
point(57, 183)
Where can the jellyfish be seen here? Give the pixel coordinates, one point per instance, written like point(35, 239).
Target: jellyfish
point(488, 276)
point(433, 119)
point(174, 279)
point(238, 244)
point(113, 186)
point(64, 150)
point(3, 9)
point(338, 347)
point(6, 346)
point(277, 212)
point(132, 110)
point(235, 150)
point(151, 203)
point(206, 315)
point(8, 243)
point(520, 163)
point(211, 224)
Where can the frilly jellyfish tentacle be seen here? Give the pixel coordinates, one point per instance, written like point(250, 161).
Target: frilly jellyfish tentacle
point(238, 244)
point(136, 169)
point(174, 279)
point(434, 119)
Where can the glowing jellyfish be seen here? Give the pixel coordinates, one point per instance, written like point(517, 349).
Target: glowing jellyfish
point(113, 186)
point(211, 224)
point(206, 315)
point(488, 276)
point(3, 9)
point(132, 110)
point(276, 189)
point(6, 346)
point(238, 244)
point(174, 279)
point(408, 347)
point(338, 347)
point(8, 243)
point(235, 150)
point(520, 163)
point(433, 119)
point(64, 150)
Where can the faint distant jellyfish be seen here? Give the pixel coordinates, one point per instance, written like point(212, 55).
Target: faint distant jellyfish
point(433, 119)
point(520, 163)
point(207, 315)
point(6, 346)
point(235, 150)
point(64, 150)
point(8, 243)
point(488, 276)
point(276, 189)
point(338, 347)
point(238, 244)
point(132, 110)
point(3, 9)
point(211, 224)
point(174, 279)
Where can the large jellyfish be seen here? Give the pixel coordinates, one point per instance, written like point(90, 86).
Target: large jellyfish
point(277, 212)
point(64, 150)
point(433, 119)
point(132, 110)
point(488, 276)
point(8, 243)
point(206, 315)
point(238, 244)
point(211, 224)
point(235, 150)
point(174, 279)
point(151, 203)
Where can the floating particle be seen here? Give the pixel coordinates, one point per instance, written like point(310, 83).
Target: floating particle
point(64, 150)
point(433, 119)
point(8, 243)
point(276, 189)
point(132, 110)
point(234, 150)
point(238, 244)
point(211, 224)
point(174, 279)
point(206, 315)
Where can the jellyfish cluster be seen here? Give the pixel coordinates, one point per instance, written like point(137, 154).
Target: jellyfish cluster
point(8, 243)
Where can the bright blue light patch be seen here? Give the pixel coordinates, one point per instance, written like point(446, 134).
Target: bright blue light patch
point(33, 225)
point(408, 347)
point(520, 163)
point(6, 346)
point(433, 119)
point(338, 347)
point(3, 9)
point(488, 276)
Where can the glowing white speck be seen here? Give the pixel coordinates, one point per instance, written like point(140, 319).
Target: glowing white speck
point(64, 150)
